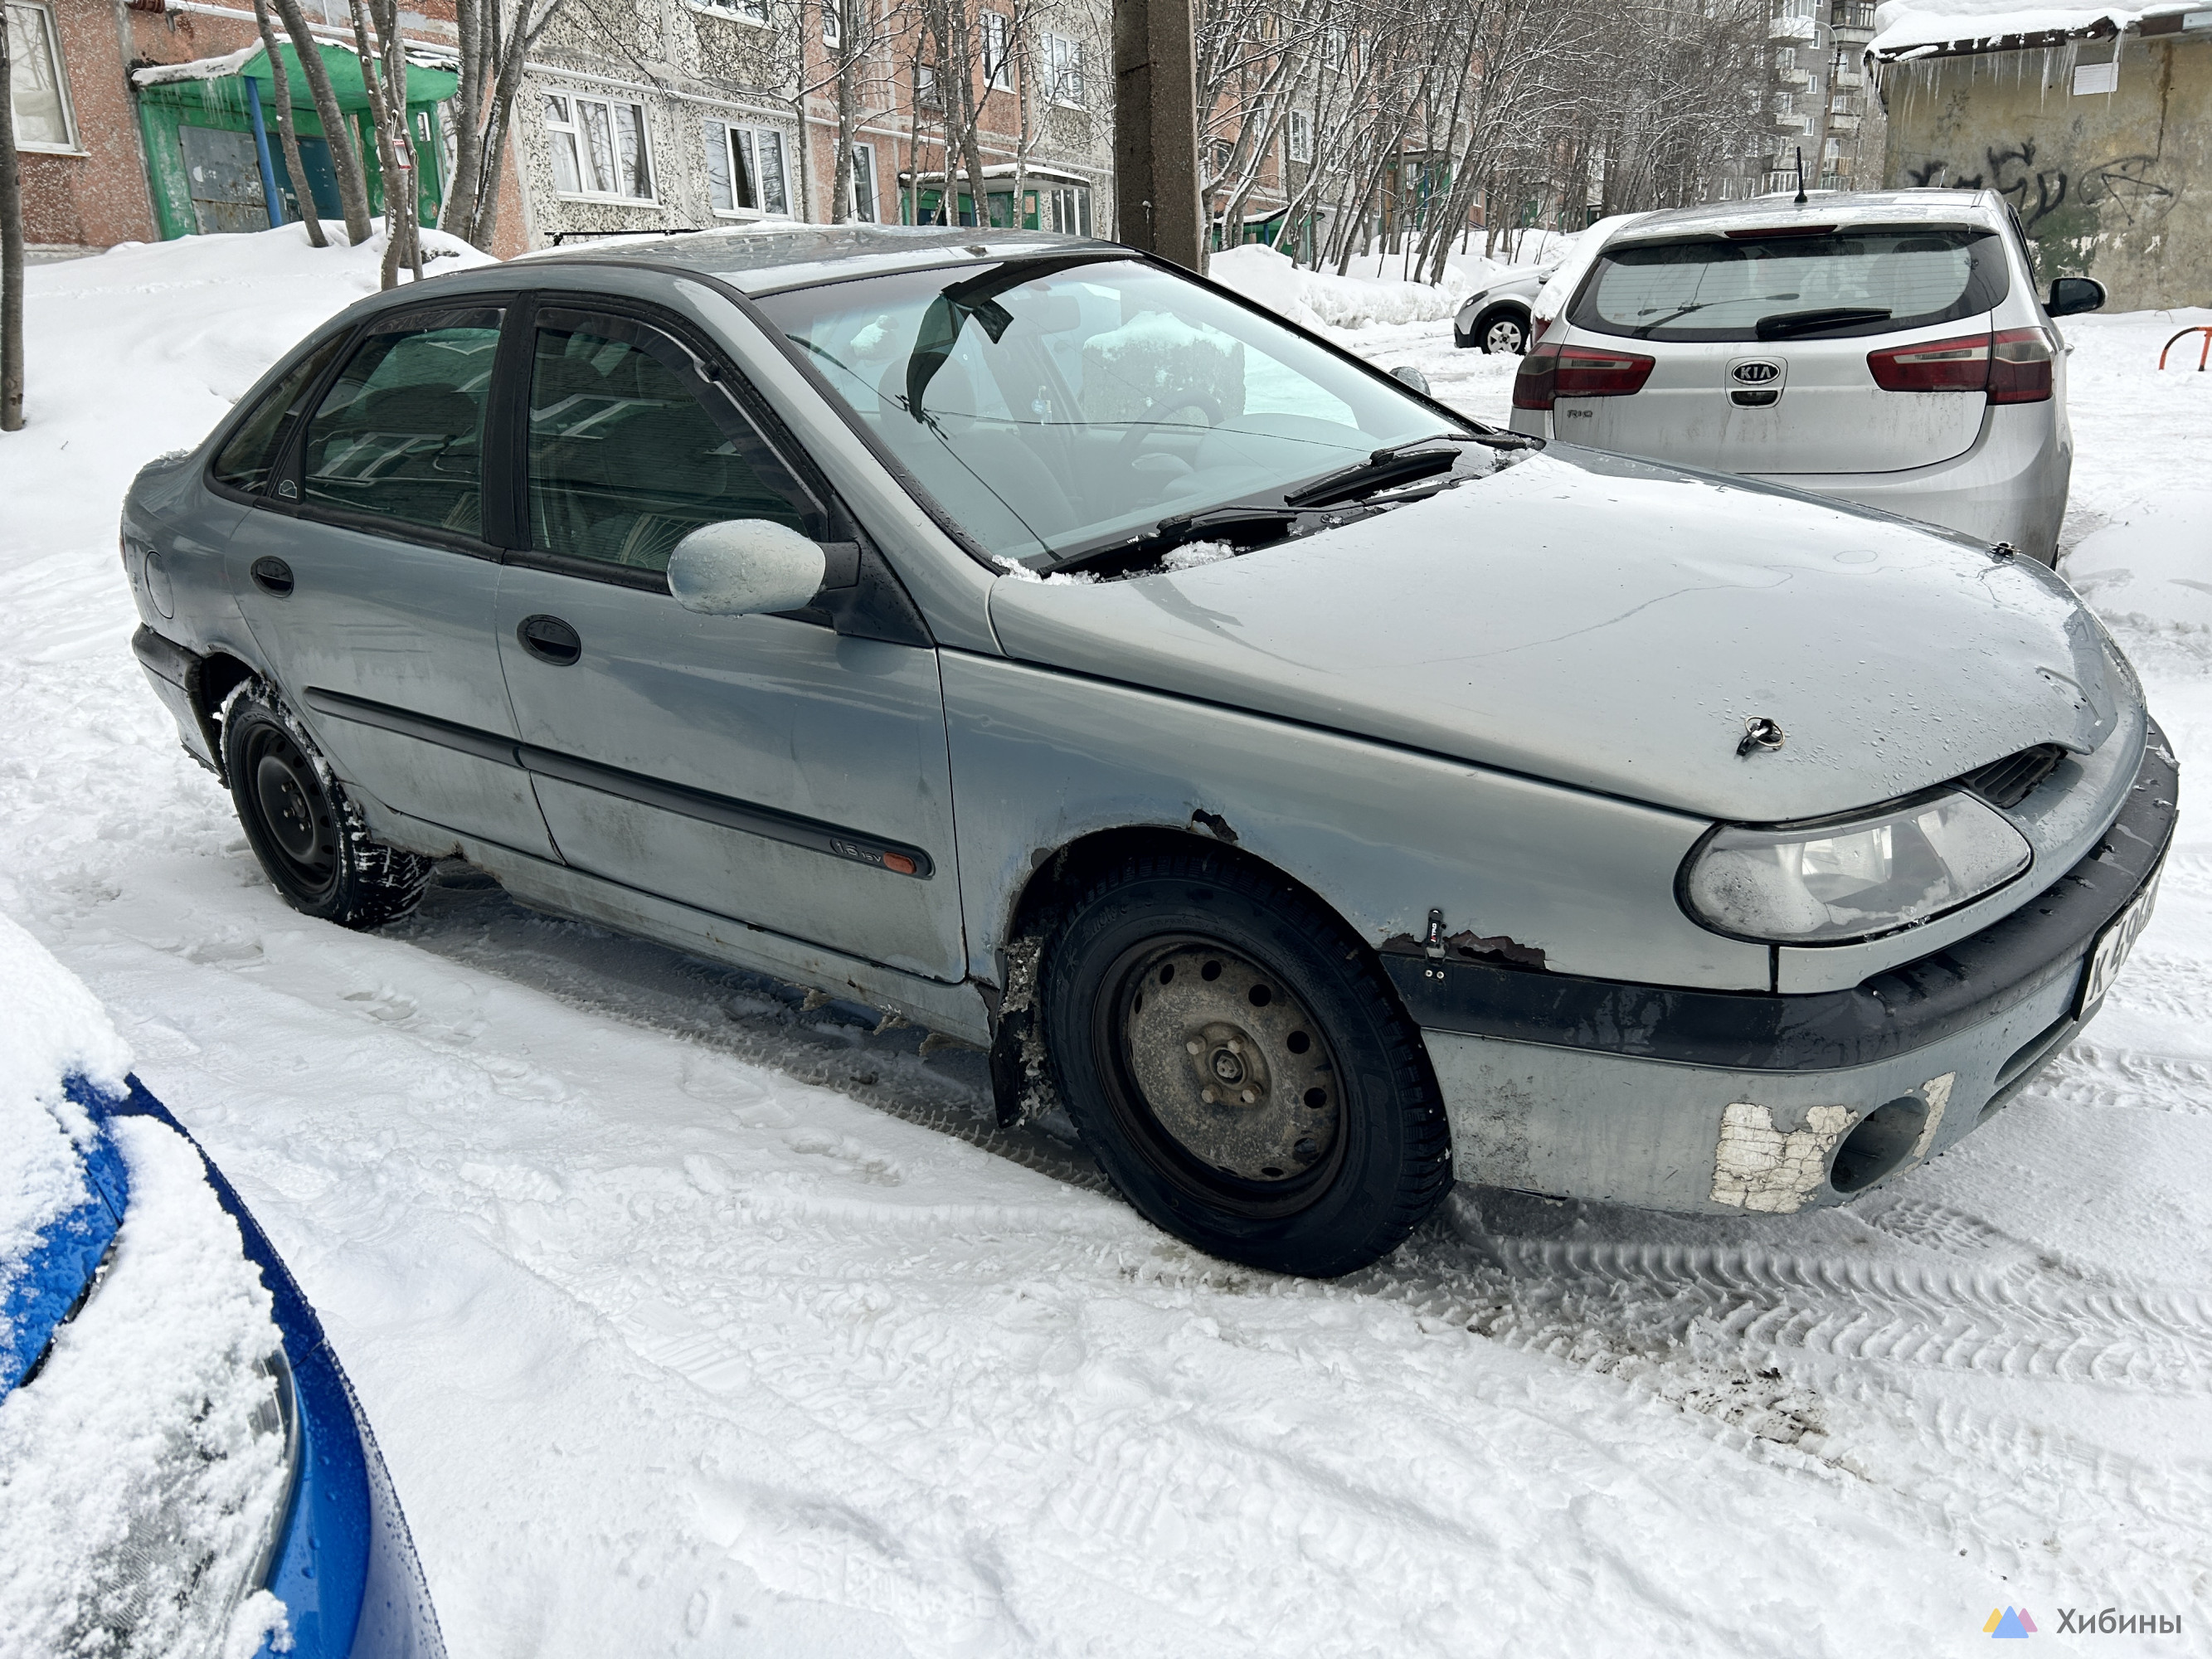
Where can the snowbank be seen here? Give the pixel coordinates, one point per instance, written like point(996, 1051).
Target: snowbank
point(1315, 298)
point(148, 345)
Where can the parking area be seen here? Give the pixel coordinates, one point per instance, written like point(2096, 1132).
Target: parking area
point(694, 1319)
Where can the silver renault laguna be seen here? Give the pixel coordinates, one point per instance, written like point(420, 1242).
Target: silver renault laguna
point(1320, 796)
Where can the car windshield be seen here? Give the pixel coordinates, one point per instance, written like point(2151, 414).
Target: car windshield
point(1052, 407)
point(1828, 285)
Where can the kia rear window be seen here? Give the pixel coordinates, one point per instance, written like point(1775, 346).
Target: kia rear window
point(1832, 285)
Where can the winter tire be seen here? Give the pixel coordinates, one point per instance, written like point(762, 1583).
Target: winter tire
point(1502, 333)
point(310, 839)
point(1235, 1061)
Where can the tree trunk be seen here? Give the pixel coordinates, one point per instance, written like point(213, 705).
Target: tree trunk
point(337, 134)
point(407, 177)
point(11, 250)
point(466, 117)
point(281, 84)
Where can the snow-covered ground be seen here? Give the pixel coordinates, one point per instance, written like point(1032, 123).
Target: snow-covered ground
point(694, 1322)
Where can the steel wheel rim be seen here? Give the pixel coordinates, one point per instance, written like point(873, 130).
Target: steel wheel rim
point(1272, 1135)
point(293, 811)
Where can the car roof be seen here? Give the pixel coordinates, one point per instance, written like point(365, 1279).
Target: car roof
point(762, 261)
point(1822, 207)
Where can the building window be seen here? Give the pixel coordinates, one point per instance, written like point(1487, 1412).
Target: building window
point(1064, 62)
point(832, 26)
point(745, 171)
point(864, 183)
point(1070, 210)
point(925, 85)
point(746, 11)
point(1301, 143)
point(997, 53)
point(598, 148)
point(35, 80)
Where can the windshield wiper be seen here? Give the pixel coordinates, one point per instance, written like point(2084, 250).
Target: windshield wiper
point(1174, 532)
point(1791, 324)
point(1395, 464)
point(1642, 331)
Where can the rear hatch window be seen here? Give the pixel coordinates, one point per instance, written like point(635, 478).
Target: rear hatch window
point(1832, 284)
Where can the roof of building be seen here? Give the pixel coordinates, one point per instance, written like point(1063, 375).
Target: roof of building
point(761, 259)
point(1913, 29)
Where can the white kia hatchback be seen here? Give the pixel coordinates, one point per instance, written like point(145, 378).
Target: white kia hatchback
point(1885, 348)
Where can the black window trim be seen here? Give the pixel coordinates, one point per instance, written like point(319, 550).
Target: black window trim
point(247, 407)
point(285, 469)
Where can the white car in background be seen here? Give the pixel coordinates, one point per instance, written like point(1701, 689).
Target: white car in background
point(1888, 348)
point(1497, 317)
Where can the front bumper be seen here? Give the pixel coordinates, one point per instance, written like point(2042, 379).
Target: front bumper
point(1722, 1102)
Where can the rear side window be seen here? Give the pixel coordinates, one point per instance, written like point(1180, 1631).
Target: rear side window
point(244, 461)
point(400, 432)
point(1838, 285)
point(632, 448)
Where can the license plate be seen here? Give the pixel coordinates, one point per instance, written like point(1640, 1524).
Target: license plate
point(2113, 944)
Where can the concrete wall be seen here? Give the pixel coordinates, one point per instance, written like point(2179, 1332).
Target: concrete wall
point(2116, 186)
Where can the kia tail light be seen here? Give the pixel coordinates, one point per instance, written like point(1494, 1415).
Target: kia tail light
point(2013, 367)
point(1553, 371)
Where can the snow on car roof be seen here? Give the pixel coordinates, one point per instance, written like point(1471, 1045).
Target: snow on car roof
point(1830, 207)
point(762, 259)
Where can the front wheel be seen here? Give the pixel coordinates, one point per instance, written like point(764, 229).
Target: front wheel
point(1235, 1060)
point(309, 838)
point(1503, 334)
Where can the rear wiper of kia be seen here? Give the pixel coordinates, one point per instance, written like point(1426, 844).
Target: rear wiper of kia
point(1398, 463)
point(1791, 324)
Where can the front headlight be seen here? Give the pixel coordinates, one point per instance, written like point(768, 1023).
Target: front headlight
point(1850, 879)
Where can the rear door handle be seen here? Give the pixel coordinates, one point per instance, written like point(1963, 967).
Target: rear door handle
point(550, 639)
point(272, 575)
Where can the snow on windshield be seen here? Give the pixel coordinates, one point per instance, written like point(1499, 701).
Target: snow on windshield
point(144, 1470)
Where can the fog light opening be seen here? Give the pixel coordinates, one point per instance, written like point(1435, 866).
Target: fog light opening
point(1880, 1144)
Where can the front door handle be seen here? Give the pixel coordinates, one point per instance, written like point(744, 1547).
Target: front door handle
point(550, 639)
point(272, 575)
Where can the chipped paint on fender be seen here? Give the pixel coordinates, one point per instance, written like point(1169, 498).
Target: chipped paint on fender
point(1756, 1166)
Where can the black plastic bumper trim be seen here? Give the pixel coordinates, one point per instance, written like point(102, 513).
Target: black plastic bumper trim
point(1972, 980)
point(766, 822)
point(164, 657)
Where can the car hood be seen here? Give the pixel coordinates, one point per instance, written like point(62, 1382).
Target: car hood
point(1612, 624)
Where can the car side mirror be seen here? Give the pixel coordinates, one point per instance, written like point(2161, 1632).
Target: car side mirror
point(1412, 377)
point(2069, 294)
point(745, 567)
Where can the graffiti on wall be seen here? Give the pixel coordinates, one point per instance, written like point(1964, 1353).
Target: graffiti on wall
point(2062, 209)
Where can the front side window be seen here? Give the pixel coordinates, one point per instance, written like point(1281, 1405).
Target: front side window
point(35, 81)
point(632, 447)
point(1051, 409)
point(253, 449)
point(598, 148)
point(399, 434)
point(745, 171)
point(1831, 285)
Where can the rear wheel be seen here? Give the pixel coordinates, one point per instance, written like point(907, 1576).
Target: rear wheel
point(309, 838)
point(1239, 1068)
